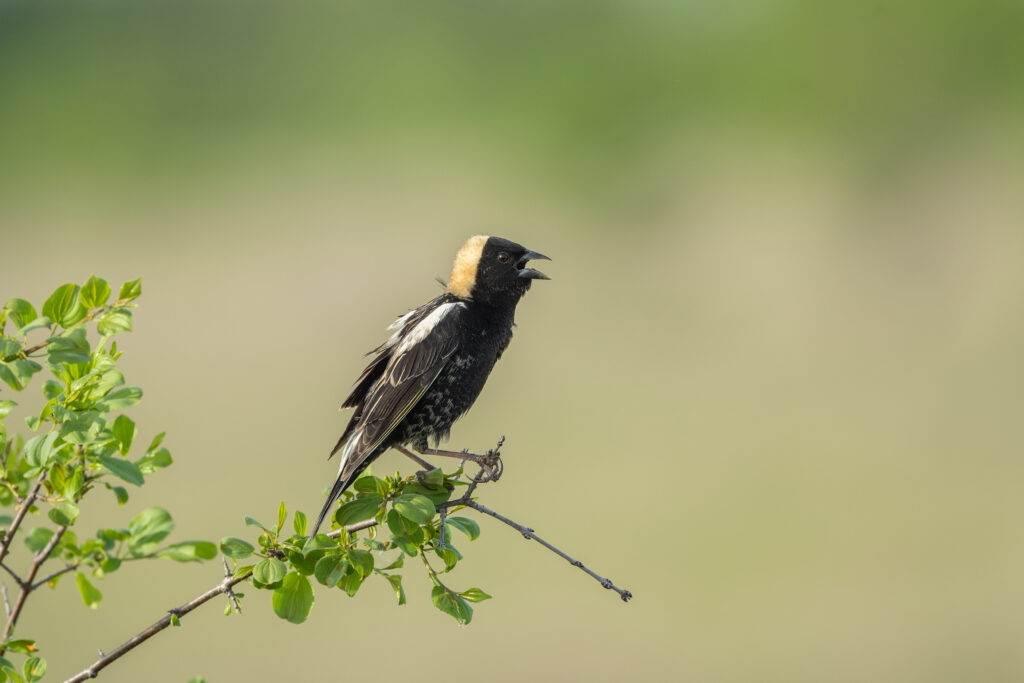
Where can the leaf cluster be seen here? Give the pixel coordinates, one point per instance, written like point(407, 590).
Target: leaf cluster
point(412, 511)
point(80, 441)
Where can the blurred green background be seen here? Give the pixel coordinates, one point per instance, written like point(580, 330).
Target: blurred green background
point(774, 387)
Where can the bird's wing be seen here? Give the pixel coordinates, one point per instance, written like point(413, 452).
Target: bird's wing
point(416, 359)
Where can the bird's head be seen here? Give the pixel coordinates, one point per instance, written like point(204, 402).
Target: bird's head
point(492, 269)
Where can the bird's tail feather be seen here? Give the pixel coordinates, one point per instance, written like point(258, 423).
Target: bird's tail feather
point(339, 487)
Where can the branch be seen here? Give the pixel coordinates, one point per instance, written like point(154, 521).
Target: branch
point(226, 584)
point(224, 587)
point(528, 534)
point(26, 586)
point(51, 577)
point(23, 507)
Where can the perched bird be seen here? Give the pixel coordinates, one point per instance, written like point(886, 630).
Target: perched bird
point(433, 367)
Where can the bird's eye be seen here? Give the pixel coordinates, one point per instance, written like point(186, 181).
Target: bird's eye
point(503, 257)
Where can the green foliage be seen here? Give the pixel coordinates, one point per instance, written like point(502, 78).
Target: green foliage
point(83, 443)
point(405, 521)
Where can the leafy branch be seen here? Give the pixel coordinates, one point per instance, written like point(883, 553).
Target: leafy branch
point(85, 444)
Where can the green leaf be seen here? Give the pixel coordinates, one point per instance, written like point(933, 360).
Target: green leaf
point(175, 620)
point(361, 561)
point(299, 523)
point(121, 494)
point(6, 406)
point(110, 565)
point(282, 515)
point(319, 542)
point(449, 556)
point(123, 430)
point(433, 478)
point(130, 290)
point(38, 538)
point(108, 380)
point(5, 665)
point(235, 548)
point(269, 571)
point(8, 347)
point(451, 604)
point(397, 564)
point(294, 599)
point(61, 302)
point(52, 388)
point(69, 348)
point(475, 595)
point(122, 398)
point(369, 484)
point(34, 325)
point(415, 508)
point(117, 320)
point(34, 669)
point(151, 462)
point(39, 451)
point(64, 514)
point(250, 521)
point(189, 551)
point(83, 428)
point(21, 645)
point(396, 585)
point(21, 311)
point(358, 509)
point(350, 581)
point(466, 526)
point(147, 529)
point(329, 570)
point(91, 596)
point(157, 440)
point(95, 292)
point(17, 373)
point(124, 469)
point(73, 483)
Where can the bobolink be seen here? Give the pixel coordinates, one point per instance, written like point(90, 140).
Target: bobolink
point(433, 367)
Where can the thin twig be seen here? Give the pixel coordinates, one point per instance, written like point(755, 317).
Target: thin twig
point(231, 593)
point(51, 577)
point(528, 533)
point(225, 586)
point(17, 579)
point(26, 587)
point(352, 528)
point(7, 600)
point(23, 507)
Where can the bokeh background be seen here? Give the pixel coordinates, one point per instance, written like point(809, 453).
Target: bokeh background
point(773, 388)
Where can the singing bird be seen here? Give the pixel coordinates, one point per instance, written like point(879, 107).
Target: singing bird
point(429, 372)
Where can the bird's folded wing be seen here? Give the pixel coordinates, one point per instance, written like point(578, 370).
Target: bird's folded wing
point(409, 373)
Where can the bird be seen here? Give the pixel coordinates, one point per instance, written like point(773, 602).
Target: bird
point(435, 363)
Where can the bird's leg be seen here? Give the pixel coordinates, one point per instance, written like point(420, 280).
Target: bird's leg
point(490, 462)
point(415, 458)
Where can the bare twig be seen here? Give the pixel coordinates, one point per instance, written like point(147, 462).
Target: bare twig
point(23, 507)
point(26, 587)
point(51, 577)
point(231, 593)
point(7, 600)
point(226, 584)
point(529, 534)
point(17, 579)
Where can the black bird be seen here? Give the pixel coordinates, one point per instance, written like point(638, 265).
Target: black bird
point(433, 367)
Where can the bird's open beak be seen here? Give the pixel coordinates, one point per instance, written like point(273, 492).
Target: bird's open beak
point(530, 273)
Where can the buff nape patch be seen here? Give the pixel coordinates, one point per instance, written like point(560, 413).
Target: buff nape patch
point(464, 270)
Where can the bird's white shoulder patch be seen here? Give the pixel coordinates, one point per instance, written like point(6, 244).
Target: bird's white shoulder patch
point(426, 326)
point(402, 319)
